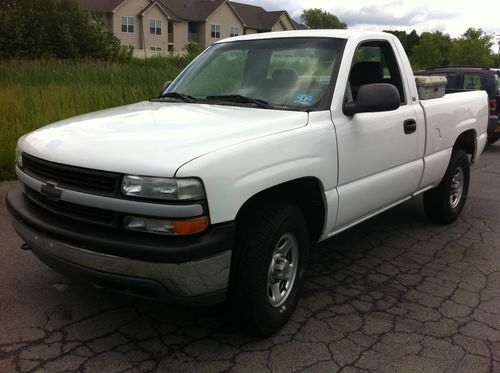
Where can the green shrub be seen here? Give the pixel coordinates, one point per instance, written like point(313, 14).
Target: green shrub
point(36, 93)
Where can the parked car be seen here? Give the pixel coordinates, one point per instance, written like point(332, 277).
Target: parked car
point(472, 78)
point(261, 146)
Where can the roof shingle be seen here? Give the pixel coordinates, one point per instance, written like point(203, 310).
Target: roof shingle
point(100, 5)
point(193, 10)
point(249, 14)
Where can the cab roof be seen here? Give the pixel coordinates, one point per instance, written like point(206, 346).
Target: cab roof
point(339, 34)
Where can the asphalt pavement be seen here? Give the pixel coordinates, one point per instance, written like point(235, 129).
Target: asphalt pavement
point(394, 294)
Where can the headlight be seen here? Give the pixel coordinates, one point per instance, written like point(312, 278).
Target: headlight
point(162, 188)
point(19, 157)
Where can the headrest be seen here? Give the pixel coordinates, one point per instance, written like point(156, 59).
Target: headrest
point(366, 72)
point(283, 78)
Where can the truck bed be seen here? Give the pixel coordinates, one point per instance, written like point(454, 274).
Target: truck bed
point(453, 114)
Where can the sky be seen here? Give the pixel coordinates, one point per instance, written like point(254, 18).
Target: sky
point(450, 16)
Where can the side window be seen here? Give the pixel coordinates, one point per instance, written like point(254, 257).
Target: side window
point(374, 62)
point(451, 79)
point(472, 81)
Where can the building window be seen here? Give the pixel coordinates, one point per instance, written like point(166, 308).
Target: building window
point(234, 31)
point(155, 49)
point(170, 30)
point(170, 48)
point(155, 26)
point(128, 24)
point(215, 31)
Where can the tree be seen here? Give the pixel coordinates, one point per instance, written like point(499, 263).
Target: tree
point(320, 19)
point(412, 41)
point(472, 48)
point(496, 60)
point(401, 35)
point(54, 29)
point(409, 41)
point(432, 50)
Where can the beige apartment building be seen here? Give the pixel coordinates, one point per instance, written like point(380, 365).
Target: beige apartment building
point(162, 26)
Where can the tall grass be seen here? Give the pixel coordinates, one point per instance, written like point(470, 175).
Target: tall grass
point(35, 93)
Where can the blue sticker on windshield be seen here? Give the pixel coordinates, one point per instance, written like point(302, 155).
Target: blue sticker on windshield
point(303, 99)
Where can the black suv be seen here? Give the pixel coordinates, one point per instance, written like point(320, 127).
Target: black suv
point(462, 78)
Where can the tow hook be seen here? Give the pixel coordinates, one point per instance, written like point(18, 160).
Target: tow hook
point(25, 246)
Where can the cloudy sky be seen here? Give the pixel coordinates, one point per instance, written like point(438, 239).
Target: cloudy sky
point(450, 16)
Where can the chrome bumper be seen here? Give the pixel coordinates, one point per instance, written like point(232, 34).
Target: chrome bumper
point(183, 280)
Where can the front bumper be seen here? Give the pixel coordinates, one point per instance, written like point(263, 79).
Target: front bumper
point(155, 270)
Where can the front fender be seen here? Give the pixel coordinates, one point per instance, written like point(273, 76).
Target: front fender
point(233, 175)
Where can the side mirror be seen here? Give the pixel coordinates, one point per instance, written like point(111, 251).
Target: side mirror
point(165, 86)
point(372, 98)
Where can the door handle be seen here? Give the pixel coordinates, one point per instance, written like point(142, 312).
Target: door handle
point(409, 126)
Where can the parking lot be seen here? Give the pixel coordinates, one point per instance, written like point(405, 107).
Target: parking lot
point(396, 293)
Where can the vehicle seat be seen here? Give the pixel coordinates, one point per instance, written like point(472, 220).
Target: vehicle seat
point(283, 78)
point(365, 72)
point(281, 87)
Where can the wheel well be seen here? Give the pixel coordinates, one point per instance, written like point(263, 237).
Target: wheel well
point(467, 142)
point(306, 193)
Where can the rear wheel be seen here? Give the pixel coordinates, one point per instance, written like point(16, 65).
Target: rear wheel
point(268, 266)
point(444, 203)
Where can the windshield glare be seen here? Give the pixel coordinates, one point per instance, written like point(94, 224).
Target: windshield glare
point(289, 73)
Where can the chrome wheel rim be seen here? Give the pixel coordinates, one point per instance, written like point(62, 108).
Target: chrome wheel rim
point(282, 270)
point(457, 187)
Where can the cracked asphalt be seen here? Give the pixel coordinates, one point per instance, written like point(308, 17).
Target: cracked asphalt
point(394, 294)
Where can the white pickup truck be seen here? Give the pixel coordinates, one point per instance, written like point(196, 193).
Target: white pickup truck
point(262, 145)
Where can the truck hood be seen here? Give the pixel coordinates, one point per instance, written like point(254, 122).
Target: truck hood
point(153, 138)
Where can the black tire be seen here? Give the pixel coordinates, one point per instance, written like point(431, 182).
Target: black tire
point(438, 203)
point(492, 139)
point(259, 232)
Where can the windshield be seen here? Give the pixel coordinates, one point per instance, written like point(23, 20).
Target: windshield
point(287, 73)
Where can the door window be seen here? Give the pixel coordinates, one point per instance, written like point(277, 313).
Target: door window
point(374, 62)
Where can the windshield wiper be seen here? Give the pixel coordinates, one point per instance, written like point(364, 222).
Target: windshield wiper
point(180, 96)
point(241, 99)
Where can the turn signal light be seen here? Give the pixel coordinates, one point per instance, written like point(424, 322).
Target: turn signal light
point(183, 227)
point(168, 227)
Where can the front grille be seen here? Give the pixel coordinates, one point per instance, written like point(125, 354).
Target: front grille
point(77, 178)
point(73, 211)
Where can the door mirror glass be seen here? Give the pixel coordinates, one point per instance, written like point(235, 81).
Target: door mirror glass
point(165, 86)
point(373, 98)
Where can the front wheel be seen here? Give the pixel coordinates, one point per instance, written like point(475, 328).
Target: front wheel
point(268, 266)
point(444, 203)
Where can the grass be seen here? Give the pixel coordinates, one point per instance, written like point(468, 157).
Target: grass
point(36, 93)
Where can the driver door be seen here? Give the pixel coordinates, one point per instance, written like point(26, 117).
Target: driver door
point(378, 154)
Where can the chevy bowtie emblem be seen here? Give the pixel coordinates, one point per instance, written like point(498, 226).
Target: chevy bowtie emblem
point(50, 191)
